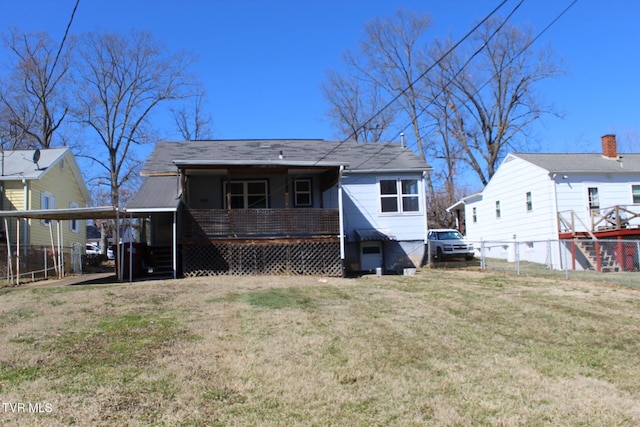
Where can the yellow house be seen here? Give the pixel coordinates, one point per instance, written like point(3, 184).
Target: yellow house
point(42, 179)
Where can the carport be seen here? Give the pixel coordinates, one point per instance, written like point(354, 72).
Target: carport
point(59, 215)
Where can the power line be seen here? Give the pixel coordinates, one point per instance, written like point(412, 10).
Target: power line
point(412, 83)
point(524, 48)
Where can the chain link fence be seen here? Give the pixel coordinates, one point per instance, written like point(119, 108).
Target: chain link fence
point(589, 259)
point(33, 263)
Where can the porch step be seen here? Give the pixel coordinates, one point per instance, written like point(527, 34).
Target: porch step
point(607, 262)
point(161, 260)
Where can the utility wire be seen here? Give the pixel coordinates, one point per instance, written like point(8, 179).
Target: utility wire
point(524, 48)
point(412, 83)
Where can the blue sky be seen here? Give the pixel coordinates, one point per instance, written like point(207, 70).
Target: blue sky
point(262, 61)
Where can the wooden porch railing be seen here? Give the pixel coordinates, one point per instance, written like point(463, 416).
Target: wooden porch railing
point(259, 223)
point(613, 218)
point(605, 219)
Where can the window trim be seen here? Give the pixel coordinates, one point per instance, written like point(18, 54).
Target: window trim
point(589, 199)
point(399, 196)
point(51, 204)
point(633, 199)
point(529, 201)
point(296, 192)
point(245, 193)
point(498, 210)
point(74, 224)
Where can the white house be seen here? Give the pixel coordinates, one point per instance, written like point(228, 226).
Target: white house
point(542, 198)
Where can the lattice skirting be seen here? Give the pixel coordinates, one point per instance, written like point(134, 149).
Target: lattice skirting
point(319, 258)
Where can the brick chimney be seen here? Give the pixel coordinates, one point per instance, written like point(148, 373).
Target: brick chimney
point(609, 148)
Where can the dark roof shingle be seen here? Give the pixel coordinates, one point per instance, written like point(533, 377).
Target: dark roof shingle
point(357, 157)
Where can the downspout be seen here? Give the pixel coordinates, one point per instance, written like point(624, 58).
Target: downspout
point(555, 221)
point(25, 185)
point(425, 255)
point(341, 218)
point(426, 219)
point(174, 260)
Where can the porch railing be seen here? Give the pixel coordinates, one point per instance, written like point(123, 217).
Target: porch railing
point(259, 223)
point(603, 219)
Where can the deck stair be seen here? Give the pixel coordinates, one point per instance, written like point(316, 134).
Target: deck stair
point(588, 248)
point(161, 261)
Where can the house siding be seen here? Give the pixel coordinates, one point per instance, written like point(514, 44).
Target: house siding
point(362, 208)
point(361, 204)
point(551, 194)
point(612, 190)
point(510, 185)
point(59, 181)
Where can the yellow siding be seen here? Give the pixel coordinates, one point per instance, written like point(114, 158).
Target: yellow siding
point(60, 182)
point(13, 200)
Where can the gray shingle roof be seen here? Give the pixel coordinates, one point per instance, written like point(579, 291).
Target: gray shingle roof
point(583, 162)
point(157, 193)
point(356, 157)
point(19, 164)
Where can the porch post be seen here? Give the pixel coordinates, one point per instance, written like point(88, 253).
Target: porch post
point(175, 246)
point(341, 217)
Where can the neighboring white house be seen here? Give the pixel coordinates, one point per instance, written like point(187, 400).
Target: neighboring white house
point(540, 198)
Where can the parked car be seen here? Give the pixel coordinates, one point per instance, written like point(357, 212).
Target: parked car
point(448, 243)
point(93, 249)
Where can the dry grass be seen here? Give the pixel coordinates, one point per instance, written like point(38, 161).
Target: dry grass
point(439, 348)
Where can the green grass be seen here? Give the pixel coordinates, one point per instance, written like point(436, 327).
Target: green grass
point(439, 348)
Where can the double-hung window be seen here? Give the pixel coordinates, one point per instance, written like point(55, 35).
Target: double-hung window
point(302, 192)
point(47, 201)
point(635, 194)
point(247, 194)
point(594, 198)
point(74, 224)
point(529, 201)
point(399, 196)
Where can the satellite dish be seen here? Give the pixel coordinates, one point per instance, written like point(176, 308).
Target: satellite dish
point(36, 157)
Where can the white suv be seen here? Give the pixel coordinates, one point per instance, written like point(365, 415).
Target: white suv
point(448, 243)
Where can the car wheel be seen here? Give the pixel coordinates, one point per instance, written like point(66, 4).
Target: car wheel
point(439, 254)
point(468, 257)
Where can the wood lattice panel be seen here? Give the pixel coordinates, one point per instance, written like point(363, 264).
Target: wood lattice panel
point(314, 258)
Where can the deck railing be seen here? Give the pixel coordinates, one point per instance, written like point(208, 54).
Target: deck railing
point(612, 218)
point(259, 223)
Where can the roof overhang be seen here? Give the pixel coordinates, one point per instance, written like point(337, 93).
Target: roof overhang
point(373, 234)
point(278, 162)
point(100, 212)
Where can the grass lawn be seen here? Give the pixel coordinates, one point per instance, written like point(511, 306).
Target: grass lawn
point(462, 348)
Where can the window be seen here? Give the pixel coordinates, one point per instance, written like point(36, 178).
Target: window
point(529, 202)
point(635, 193)
point(475, 215)
point(302, 192)
point(47, 201)
point(594, 199)
point(399, 195)
point(74, 224)
point(247, 194)
point(497, 208)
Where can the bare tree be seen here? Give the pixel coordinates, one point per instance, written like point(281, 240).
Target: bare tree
point(357, 108)
point(191, 120)
point(122, 80)
point(487, 107)
point(33, 102)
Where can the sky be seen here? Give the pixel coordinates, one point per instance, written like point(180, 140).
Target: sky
point(262, 61)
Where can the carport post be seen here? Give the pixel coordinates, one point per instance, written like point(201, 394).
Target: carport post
point(17, 251)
